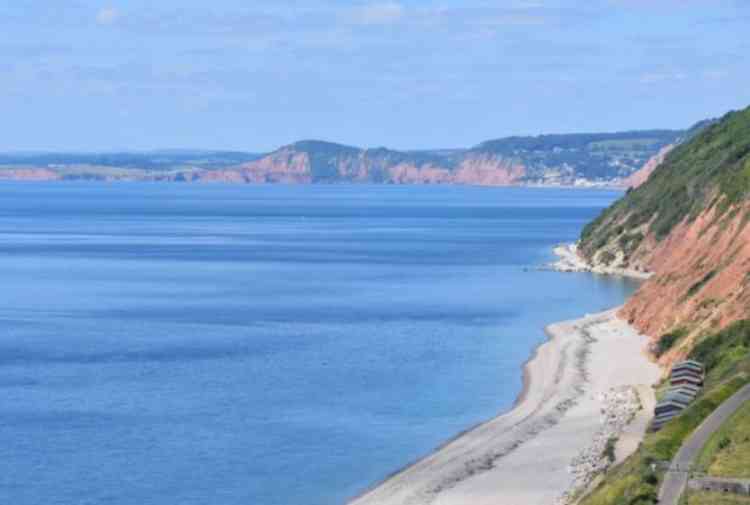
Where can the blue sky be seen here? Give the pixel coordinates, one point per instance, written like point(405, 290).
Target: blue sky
point(256, 74)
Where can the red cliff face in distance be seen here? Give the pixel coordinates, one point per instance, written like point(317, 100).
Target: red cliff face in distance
point(642, 174)
point(601, 159)
point(292, 166)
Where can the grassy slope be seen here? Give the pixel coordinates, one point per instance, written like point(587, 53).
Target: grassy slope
point(717, 499)
point(727, 453)
point(712, 169)
point(728, 361)
point(716, 162)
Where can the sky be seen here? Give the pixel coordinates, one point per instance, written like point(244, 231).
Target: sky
point(251, 75)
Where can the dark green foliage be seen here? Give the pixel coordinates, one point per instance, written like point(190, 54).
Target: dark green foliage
point(715, 161)
point(589, 154)
point(668, 340)
point(609, 449)
point(630, 241)
point(729, 345)
point(649, 476)
point(607, 257)
point(510, 145)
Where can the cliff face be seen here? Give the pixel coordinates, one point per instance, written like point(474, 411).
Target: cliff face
point(642, 174)
point(603, 159)
point(29, 174)
point(317, 162)
point(688, 224)
point(547, 159)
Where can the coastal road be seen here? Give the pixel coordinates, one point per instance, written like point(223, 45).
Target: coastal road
point(677, 476)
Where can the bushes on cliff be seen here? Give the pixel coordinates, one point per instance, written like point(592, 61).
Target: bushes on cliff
point(668, 340)
point(713, 168)
point(726, 351)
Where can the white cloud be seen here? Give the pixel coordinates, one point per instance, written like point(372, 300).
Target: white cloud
point(380, 13)
point(107, 16)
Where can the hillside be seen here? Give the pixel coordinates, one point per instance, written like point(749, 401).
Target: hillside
point(636, 481)
point(604, 159)
point(546, 159)
point(687, 224)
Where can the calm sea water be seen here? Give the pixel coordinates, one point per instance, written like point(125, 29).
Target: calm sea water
point(275, 345)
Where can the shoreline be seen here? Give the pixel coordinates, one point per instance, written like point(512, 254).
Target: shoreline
point(485, 462)
point(520, 398)
point(568, 260)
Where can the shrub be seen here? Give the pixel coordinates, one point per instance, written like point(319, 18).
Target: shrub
point(667, 341)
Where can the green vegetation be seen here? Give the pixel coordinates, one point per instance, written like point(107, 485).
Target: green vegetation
point(706, 498)
point(727, 453)
point(725, 354)
point(635, 482)
point(154, 160)
point(727, 360)
point(591, 155)
point(626, 144)
point(607, 257)
point(629, 241)
point(602, 156)
point(609, 449)
point(668, 340)
point(711, 169)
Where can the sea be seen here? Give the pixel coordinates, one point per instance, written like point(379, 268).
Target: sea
point(177, 344)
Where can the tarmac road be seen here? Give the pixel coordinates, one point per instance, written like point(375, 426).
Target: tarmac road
point(676, 478)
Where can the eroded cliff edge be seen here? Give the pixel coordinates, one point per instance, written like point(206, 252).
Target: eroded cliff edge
point(687, 223)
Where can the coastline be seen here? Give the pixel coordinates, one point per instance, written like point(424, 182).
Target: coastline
point(568, 260)
point(552, 434)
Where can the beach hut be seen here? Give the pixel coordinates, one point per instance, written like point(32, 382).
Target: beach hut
point(686, 380)
point(687, 372)
point(686, 377)
point(688, 365)
point(689, 390)
point(673, 403)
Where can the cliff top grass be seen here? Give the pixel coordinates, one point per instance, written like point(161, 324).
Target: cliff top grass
point(727, 453)
point(712, 168)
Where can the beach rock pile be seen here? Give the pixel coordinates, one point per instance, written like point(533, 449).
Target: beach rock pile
point(569, 260)
point(619, 406)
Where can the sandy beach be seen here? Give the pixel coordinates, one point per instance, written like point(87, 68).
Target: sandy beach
point(582, 387)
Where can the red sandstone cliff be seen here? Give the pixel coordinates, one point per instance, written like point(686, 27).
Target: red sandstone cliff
point(688, 224)
point(292, 165)
point(642, 174)
point(29, 174)
point(600, 159)
point(701, 278)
